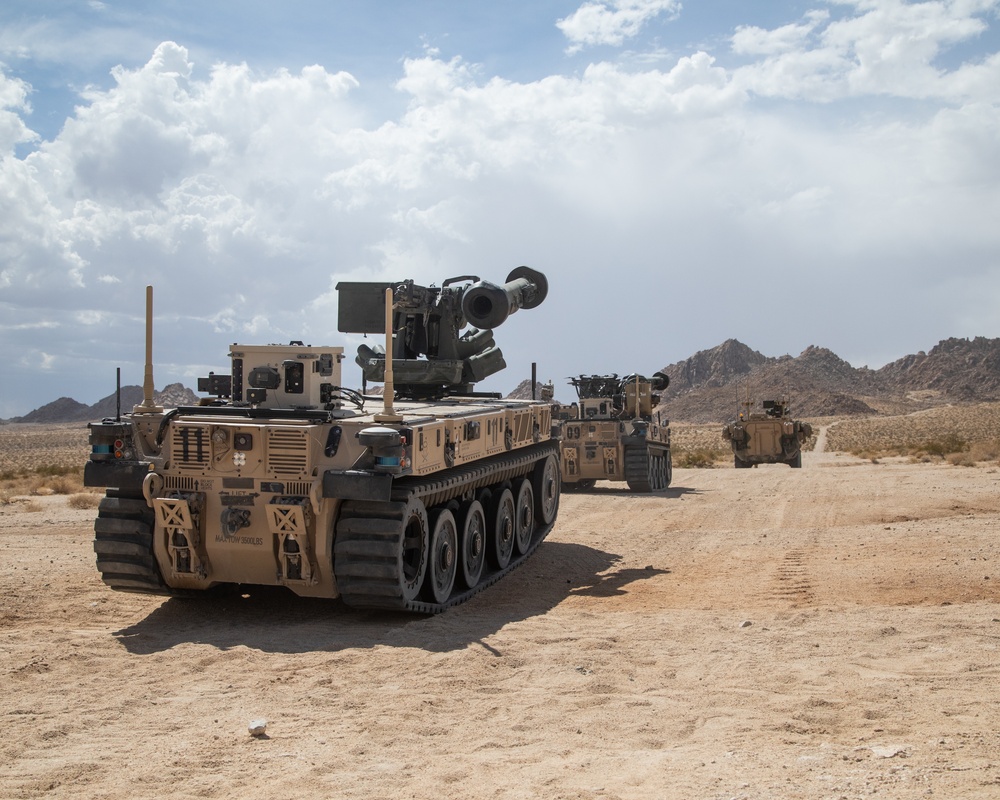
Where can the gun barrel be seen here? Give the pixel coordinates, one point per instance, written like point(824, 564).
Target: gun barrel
point(486, 305)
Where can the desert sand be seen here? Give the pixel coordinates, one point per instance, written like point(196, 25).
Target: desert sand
point(829, 632)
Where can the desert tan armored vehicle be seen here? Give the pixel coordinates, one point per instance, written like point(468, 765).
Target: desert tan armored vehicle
point(612, 434)
point(414, 500)
point(766, 435)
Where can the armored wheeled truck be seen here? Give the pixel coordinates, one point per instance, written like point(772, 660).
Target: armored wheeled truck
point(613, 434)
point(413, 500)
point(766, 435)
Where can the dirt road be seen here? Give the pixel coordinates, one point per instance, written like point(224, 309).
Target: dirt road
point(829, 632)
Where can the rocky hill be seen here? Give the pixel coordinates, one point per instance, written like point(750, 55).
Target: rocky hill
point(709, 386)
point(66, 409)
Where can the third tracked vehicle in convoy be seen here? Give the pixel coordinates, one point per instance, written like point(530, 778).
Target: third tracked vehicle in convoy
point(613, 433)
point(412, 501)
point(766, 435)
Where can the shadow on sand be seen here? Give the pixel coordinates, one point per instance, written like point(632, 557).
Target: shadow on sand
point(608, 489)
point(273, 620)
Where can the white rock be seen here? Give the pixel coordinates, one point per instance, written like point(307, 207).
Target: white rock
point(258, 727)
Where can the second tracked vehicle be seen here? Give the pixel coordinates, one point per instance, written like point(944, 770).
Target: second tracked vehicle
point(613, 433)
point(412, 501)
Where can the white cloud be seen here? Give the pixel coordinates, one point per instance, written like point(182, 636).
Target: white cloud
point(753, 41)
point(13, 103)
point(885, 48)
point(611, 22)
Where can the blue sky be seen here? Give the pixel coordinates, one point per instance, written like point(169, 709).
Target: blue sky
point(787, 174)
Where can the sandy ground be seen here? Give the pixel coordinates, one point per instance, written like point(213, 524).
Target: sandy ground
point(829, 632)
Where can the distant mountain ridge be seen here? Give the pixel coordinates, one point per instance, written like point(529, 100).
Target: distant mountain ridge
point(65, 409)
point(708, 386)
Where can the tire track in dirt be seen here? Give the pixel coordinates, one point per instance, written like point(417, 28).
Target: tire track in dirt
point(792, 582)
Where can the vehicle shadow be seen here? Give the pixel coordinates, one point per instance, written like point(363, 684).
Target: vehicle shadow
point(274, 620)
point(617, 490)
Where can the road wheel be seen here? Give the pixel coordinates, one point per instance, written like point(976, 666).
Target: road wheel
point(524, 517)
point(472, 543)
point(443, 562)
point(501, 528)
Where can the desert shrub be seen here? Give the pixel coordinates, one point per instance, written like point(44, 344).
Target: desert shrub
point(7, 499)
point(64, 484)
point(869, 455)
point(947, 444)
point(698, 458)
point(985, 451)
point(83, 500)
point(18, 486)
point(41, 480)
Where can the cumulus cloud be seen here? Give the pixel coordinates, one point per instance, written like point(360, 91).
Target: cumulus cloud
point(13, 103)
point(884, 48)
point(611, 22)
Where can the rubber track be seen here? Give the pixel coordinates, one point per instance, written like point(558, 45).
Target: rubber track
point(637, 468)
point(369, 534)
point(123, 542)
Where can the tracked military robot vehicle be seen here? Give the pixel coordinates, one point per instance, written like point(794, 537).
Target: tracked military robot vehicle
point(613, 433)
point(285, 477)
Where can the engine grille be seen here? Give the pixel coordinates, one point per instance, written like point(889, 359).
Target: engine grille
point(287, 452)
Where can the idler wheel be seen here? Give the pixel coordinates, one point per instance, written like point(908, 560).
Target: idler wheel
point(545, 481)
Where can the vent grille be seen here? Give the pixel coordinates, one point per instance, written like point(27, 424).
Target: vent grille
point(179, 483)
point(190, 447)
point(298, 488)
point(287, 452)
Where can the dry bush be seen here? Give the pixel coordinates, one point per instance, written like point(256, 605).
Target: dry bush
point(700, 458)
point(14, 486)
point(985, 451)
point(84, 500)
point(43, 481)
point(65, 484)
point(26, 504)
